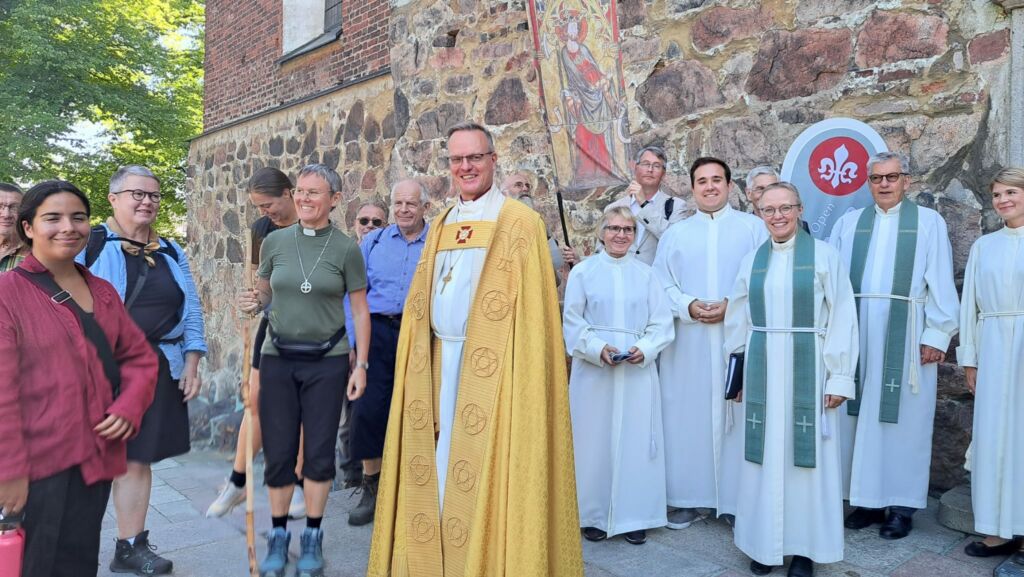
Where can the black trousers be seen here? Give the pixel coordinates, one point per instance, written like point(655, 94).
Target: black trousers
point(306, 394)
point(370, 411)
point(62, 525)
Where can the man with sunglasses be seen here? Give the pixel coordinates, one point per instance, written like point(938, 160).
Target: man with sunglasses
point(369, 217)
point(901, 267)
point(478, 473)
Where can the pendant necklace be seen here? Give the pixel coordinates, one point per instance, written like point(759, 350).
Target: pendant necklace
point(451, 262)
point(306, 287)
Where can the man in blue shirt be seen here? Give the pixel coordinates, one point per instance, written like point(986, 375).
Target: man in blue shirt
point(391, 254)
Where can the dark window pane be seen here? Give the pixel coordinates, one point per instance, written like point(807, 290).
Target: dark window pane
point(332, 14)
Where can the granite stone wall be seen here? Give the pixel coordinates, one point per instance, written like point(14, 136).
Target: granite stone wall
point(738, 79)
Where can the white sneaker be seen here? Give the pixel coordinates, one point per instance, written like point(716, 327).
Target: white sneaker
point(230, 497)
point(297, 508)
point(682, 518)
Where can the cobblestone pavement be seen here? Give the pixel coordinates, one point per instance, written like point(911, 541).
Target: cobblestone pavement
point(183, 487)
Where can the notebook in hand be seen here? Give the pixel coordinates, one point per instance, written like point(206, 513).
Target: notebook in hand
point(734, 376)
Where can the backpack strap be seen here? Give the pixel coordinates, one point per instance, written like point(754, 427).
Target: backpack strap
point(669, 203)
point(97, 240)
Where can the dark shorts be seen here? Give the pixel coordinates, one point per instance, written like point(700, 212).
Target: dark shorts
point(306, 394)
point(370, 411)
point(63, 518)
point(164, 432)
point(257, 343)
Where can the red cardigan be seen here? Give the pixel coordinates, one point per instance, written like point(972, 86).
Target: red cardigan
point(52, 387)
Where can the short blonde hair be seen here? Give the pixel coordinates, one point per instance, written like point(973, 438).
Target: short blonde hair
point(620, 211)
point(1009, 177)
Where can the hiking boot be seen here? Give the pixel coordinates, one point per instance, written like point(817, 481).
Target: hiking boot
point(139, 558)
point(277, 553)
point(230, 497)
point(297, 508)
point(363, 513)
point(311, 561)
point(682, 518)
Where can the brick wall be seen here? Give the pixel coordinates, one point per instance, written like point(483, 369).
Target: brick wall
point(243, 44)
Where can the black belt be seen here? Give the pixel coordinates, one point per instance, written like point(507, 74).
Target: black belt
point(393, 319)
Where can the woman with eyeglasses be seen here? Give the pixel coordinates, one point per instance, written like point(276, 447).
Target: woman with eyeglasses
point(991, 349)
point(305, 271)
point(270, 191)
point(616, 321)
point(152, 277)
point(75, 380)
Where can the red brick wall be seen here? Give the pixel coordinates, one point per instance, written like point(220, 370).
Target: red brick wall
point(243, 44)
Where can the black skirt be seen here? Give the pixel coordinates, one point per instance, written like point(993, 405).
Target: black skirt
point(164, 432)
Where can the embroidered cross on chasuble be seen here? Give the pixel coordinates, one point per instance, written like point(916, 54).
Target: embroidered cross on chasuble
point(510, 494)
point(804, 355)
point(899, 305)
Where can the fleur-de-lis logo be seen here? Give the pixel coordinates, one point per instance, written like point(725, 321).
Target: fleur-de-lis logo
point(838, 169)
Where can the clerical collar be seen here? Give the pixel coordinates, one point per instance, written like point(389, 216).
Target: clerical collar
point(717, 214)
point(314, 231)
point(891, 211)
point(784, 245)
point(476, 206)
point(620, 261)
point(1019, 231)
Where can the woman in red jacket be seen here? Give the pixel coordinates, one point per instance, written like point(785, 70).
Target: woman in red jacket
point(64, 413)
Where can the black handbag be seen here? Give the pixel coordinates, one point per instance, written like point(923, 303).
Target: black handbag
point(304, 350)
point(734, 376)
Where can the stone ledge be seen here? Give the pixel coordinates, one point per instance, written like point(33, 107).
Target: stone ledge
point(955, 509)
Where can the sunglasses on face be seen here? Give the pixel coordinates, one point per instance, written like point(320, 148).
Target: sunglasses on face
point(365, 221)
point(891, 177)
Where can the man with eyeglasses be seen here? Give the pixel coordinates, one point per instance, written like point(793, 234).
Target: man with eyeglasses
point(12, 250)
point(654, 209)
point(518, 186)
point(901, 267)
point(391, 254)
point(697, 263)
point(478, 469)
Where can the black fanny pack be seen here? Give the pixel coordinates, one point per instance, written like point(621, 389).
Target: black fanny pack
point(304, 350)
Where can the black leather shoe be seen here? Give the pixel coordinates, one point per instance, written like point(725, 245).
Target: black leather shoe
point(636, 537)
point(864, 517)
point(594, 534)
point(760, 568)
point(800, 567)
point(980, 549)
point(897, 526)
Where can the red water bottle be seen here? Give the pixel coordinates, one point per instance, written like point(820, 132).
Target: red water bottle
point(12, 548)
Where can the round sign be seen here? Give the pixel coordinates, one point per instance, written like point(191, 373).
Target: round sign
point(839, 166)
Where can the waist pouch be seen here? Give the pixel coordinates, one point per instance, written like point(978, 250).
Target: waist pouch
point(304, 350)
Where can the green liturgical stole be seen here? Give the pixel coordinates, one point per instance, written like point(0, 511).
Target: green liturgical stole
point(804, 356)
point(899, 305)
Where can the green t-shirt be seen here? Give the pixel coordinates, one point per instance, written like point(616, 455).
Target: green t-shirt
point(316, 315)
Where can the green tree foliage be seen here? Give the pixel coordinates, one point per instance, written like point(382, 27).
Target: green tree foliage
point(132, 68)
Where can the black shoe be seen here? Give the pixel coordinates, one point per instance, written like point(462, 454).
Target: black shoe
point(897, 526)
point(636, 537)
point(139, 558)
point(760, 568)
point(363, 513)
point(800, 567)
point(594, 534)
point(980, 549)
point(864, 517)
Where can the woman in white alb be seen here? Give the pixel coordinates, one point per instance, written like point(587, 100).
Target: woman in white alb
point(991, 347)
point(617, 320)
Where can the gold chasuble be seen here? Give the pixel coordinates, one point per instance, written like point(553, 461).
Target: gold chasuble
point(510, 495)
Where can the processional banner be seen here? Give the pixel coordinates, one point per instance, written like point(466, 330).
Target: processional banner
point(582, 91)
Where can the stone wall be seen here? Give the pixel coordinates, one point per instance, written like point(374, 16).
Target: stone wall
point(350, 131)
point(738, 79)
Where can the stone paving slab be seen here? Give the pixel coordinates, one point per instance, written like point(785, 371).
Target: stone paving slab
point(185, 486)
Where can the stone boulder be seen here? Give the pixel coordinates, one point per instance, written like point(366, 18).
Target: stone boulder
point(889, 37)
point(678, 89)
point(801, 63)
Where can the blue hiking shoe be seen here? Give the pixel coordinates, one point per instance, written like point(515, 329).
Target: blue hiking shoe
point(311, 562)
point(277, 553)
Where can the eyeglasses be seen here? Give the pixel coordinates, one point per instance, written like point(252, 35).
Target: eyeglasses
point(139, 195)
point(891, 177)
point(12, 207)
point(626, 230)
point(655, 166)
point(784, 210)
point(473, 159)
point(310, 194)
point(376, 221)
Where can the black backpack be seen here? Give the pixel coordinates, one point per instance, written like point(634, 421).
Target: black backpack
point(98, 239)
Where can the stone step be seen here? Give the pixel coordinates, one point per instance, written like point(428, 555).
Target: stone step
point(955, 509)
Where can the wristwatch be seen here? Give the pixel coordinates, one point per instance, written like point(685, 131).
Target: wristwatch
point(363, 365)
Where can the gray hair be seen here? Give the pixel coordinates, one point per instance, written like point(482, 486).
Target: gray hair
point(424, 198)
point(655, 150)
point(622, 211)
point(117, 181)
point(469, 126)
point(785, 186)
point(328, 174)
point(758, 171)
point(886, 157)
point(377, 203)
point(10, 187)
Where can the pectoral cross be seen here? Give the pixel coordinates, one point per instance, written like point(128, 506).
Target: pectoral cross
point(446, 279)
point(803, 423)
point(892, 385)
point(754, 421)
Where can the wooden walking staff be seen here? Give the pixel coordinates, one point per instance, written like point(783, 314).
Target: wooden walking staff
point(250, 523)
